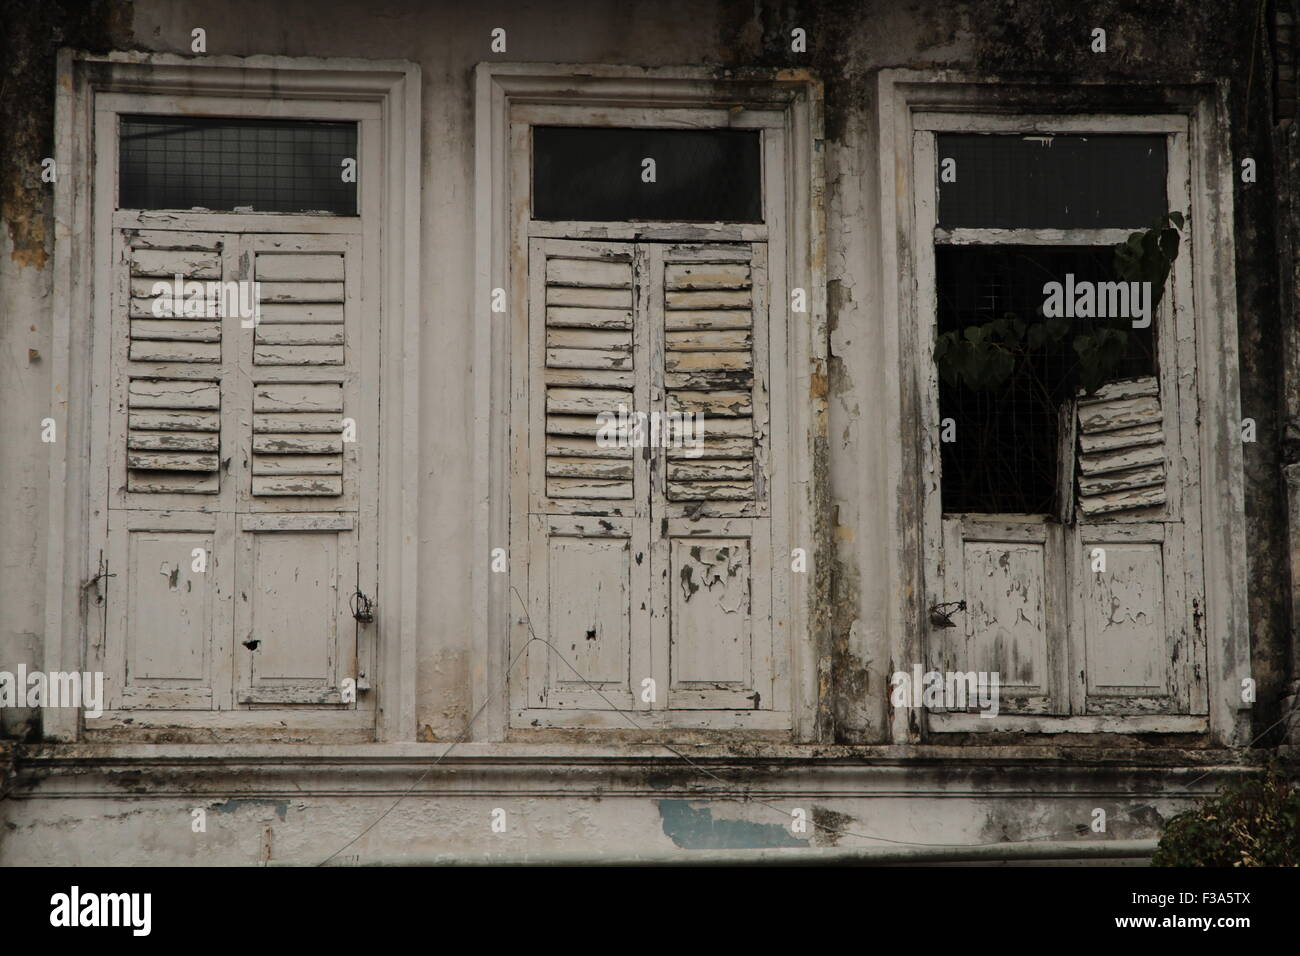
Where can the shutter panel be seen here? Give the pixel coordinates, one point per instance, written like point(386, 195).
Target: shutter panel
point(1011, 577)
point(297, 441)
point(590, 368)
point(1121, 448)
point(708, 368)
point(588, 555)
point(230, 432)
point(173, 435)
point(655, 560)
point(1131, 620)
point(712, 632)
point(305, 534)
point(173, 428)
point(170, 362)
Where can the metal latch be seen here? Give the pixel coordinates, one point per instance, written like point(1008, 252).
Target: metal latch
point(941, 614)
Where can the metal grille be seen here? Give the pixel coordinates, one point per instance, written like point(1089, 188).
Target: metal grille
point(221, 164)
point(1004, 458)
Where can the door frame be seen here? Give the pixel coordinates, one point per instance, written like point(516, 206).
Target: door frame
point(509, 96)
point(902, 95)
point(259, 85)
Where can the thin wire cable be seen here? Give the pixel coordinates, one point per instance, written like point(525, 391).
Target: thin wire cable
point(691, 763)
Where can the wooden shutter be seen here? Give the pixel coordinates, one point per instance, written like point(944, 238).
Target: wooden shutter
point(707, 299)
point(171, 373)
point(1135, 622)
point(1011, 575)
point(654, 561)
point(1065, 635)
point(588, 567)
point(304, 540)
point(172, 365)
point(228, 437)
point(1121, 448)
point(712, 545)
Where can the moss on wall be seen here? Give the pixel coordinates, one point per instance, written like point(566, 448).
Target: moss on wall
point(34, 30)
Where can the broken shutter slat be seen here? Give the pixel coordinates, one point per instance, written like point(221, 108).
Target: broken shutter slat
point(1122, 452)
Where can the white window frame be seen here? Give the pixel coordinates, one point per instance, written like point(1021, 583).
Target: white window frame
point(629, 96)
point(974, 103)
point(388, 93)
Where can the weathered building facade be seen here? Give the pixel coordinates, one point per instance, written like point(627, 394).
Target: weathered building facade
point(635, 403)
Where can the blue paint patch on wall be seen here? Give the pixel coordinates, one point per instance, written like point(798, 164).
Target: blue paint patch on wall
point(234, 804)
point(694, 829)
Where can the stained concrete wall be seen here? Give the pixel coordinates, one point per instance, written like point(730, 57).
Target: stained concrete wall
point(849, 41)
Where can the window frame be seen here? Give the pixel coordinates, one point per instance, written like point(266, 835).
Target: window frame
point(93, 89)
point(511, 97)
point(911, 100)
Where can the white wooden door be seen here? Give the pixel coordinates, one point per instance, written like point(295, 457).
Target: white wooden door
point(249, 440)
point(649, 561)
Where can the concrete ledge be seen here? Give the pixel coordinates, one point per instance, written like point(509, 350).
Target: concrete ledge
point(1108, 852)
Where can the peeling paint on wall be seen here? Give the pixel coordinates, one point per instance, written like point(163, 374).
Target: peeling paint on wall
point(697, 829)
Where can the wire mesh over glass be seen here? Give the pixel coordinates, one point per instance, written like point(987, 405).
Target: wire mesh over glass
point(1004, 458)
point(220, 164)
point(1050, 182)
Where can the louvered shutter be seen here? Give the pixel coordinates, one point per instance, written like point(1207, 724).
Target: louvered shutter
point(1121, 448)
point(229, 434)
point(304, 544)
point(172, 369)
point(712, 548)
point(588, 568)
point(652, 561)
point(1134, 622)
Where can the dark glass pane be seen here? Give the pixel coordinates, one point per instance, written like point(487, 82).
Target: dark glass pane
point(589, 173)
point(1052, 182)
point(271, 165)
point(1004, 458)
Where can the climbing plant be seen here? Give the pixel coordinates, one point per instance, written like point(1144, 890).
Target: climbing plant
point(987, 355)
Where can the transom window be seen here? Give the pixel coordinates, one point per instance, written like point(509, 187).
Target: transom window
point(225, 164)
point(604, 174)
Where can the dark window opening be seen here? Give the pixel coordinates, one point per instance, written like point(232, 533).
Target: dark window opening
point(1051, 182)
point(599, 174)
point(285, 166)
point(1004, 458)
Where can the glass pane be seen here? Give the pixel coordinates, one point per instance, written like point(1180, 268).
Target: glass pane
point(1051, 182)
point(598, 174)
point(169, 162)
point(1003, 460)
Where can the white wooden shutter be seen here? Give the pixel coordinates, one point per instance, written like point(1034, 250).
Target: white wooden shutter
point(1064, 635)
point(1010, 573)
point(650, 562)
point(588, 555)
point(169, 437)
point(228, 437)
point(1135, 621)
point(304, 541)
point(712, 546)
point(1121, 448)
